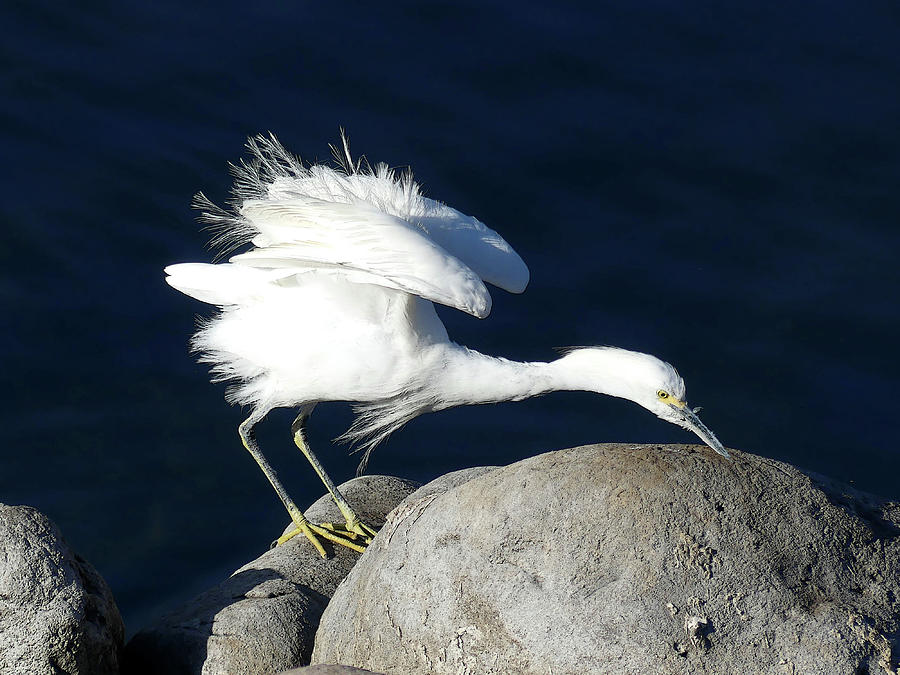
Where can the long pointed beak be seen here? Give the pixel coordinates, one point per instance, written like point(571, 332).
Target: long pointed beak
point(689, 420)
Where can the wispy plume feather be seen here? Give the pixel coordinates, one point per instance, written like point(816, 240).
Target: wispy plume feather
point(271, 171)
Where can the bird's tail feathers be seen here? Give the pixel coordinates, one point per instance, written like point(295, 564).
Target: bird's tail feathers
point(247, 384)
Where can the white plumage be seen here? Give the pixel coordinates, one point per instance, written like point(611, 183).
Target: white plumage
point(333, 301)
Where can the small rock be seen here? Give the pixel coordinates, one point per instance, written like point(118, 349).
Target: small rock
point(263, 618)
point(695, 627)
point(619, 558)
point(57, 615)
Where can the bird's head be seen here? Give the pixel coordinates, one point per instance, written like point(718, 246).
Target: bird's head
point(642, 378)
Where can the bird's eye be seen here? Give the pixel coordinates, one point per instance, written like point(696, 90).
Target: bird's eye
point(662, 394)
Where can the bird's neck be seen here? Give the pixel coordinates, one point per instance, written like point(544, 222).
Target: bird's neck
point(469, 377)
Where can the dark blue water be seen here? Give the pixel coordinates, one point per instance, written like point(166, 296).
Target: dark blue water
point(719, 186)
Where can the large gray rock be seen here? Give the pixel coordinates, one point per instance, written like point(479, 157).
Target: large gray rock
point(328, 670)
point(263, 618)
point(620, 558)
point(57, 614)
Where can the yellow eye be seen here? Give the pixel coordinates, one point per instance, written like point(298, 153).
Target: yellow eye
point(663, 395)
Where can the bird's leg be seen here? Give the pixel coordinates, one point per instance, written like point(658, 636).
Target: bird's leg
point(313, 532)
point(354, 526)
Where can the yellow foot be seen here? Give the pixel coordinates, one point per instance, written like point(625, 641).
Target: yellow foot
point(355, 536)
point(354, 529)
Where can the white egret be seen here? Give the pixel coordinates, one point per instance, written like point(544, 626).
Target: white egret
point(333, 302)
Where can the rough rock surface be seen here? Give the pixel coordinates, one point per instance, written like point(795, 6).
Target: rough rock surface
point(329, 669)
point(444, 483)
point(263, 618)
point(57, 614)
point(621, 558)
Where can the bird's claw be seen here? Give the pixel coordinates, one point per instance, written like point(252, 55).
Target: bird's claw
point(354, 535)
point(355, 530)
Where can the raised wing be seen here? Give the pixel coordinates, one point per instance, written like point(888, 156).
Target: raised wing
point(364, 240)
point(477, 245)
point(222, 284)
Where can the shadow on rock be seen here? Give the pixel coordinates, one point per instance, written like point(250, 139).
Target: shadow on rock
point(224, 624)
point(264, 617)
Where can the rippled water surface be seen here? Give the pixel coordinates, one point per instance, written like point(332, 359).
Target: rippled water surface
point(716, 186)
